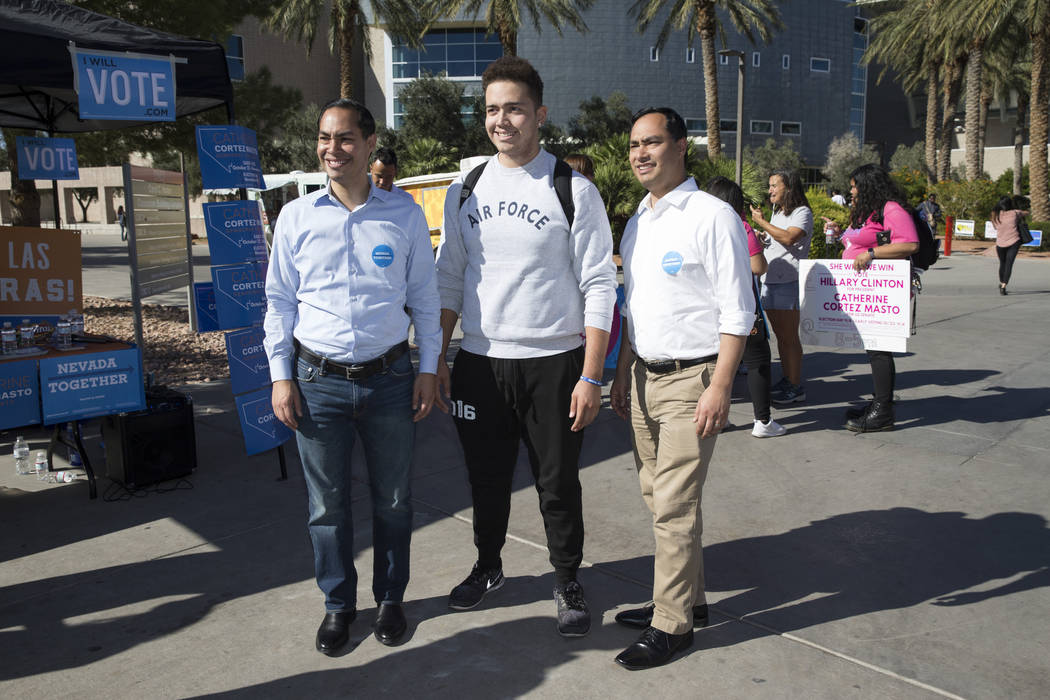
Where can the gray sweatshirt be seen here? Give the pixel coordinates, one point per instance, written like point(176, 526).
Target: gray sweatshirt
point(523, 282)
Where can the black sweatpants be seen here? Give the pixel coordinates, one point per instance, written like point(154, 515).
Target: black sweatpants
point(883, 374)
point(497, 402)
point(1006, 261)
point(757, 359)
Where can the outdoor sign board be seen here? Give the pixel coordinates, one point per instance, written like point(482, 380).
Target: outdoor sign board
point(19, 394)
point(46, 159)
point(249, 368)
point(157, 242)
point(989, 231)
point(124, 86)
point(1037, 239)
point(963, 228)
point(240, 294)
point(235, 232)
point(91, 385)
point(229, 158)
point(262, 431)
point(847, 309)
point(207, 317)
point(39, 272)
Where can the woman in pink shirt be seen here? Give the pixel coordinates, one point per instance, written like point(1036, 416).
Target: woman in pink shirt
point(1006, 216)
point(880, 228)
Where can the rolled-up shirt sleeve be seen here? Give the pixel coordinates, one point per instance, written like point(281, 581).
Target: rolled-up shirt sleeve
point(282, 306)
point(730, 262)
point(422, 295)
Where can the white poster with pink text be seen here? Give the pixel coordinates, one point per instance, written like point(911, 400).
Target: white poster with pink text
point(843, 308)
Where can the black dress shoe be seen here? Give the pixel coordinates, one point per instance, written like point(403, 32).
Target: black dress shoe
point(390, 623)
point(643, 617)
point(879, 416)
point(334, 631)
point(654, 648)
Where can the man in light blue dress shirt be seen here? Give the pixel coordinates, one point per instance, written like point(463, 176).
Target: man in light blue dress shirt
point(351, 267)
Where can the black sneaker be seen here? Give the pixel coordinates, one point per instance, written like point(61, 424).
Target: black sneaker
point(574, 619)
point(474, 587)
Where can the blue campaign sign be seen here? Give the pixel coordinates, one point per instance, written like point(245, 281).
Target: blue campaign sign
point(207, 317)
point(19, 394)
point(1037, 239)
point(235, 232)
point(124, 86)
point(90, 385)
point(229, 157)
point(249, 369)
point(240, 294)
point(262, 431)
point(46, 159)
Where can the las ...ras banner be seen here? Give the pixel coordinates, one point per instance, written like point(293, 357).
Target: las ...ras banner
point(39, 271)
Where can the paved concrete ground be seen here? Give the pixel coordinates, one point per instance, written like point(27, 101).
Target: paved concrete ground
point(909, 564)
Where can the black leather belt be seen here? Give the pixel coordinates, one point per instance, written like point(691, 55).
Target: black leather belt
point(361, 370)
point(667, 366)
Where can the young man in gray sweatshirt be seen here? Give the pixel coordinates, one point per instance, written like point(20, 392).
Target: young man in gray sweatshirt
point(529, 286)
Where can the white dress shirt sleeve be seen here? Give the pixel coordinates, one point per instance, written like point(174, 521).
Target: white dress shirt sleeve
point(728, 263)
point(421, 295)
point(282, 306)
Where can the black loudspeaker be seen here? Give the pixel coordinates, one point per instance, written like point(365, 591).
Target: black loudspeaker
point(157, 444)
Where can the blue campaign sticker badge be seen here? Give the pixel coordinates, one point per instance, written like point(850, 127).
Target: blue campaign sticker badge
point(383, 255)
point(672, 262)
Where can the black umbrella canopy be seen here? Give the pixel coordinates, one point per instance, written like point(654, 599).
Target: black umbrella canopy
point(36, 71)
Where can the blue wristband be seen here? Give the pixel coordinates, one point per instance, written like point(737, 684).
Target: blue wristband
point(595, 382)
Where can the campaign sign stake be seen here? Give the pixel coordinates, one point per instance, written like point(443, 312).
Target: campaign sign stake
point(249, 368)
point(235, 232)
point(262, 431)
point(124, 86)
point(240, 294)
point(46, 159)
point(229, 157)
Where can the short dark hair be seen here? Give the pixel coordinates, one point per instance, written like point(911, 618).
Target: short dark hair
point(365, 121)
point(795, 196)
point(673, 121)
point(516, 70)
point(386, 155)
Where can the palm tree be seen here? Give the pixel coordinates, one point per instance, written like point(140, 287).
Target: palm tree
point(700, 19)
point(504, 17)
point(347, 25)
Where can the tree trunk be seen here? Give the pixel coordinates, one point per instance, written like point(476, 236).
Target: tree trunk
point(508, 38)
point(1037, 165)
point(346, 51)
point(1019, 125)
point(973, 111)
point(950, 94)
point(706, 27)
point(25, 198)
point(931, 124)
point(982, 128)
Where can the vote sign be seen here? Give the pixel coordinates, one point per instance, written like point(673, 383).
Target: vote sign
point(46, 159)
point(207, 317)
point(235, 232)
point(124, 86)
point(229, 157)
point(249, 368)
point(240, 294)
point(262, 431)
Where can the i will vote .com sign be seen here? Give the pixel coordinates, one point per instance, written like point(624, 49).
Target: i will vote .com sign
point(124, 86)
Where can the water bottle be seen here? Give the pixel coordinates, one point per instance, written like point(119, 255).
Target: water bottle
point(76, 322)
point(40, 466)
point(26, 333)
point(63, 338)
point(10, 339)
point(22, 465)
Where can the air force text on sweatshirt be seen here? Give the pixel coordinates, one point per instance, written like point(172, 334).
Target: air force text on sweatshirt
point(525, 284)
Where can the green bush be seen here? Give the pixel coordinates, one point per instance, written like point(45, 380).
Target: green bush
point(968, 199)
point(822, 206)
point(1005, 182)
point(912, 183)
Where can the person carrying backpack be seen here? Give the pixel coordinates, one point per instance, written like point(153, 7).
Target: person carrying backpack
point(881, 228)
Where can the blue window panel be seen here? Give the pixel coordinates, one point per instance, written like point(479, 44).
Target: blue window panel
point(461, 52)
point(406, 70)
point(489, 52)
point(860, 86)
point(480, 67)
point(436, 37)
point(463, 36)
point(461, 69)
point(856, 101)
point(856, 116)
point(402, 54)
point(435, 68)
point(432, 53)
point(696, 125)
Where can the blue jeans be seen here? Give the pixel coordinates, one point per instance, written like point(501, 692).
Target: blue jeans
point(379, 409)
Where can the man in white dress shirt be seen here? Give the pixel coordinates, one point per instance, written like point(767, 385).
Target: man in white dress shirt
point(689, 307)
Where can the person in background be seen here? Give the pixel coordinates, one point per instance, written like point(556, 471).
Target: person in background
point(930, 211)
point(878, 212)
point(122, 219)
point(1006, 215)
point(837, 198)
point(582, 164)
point(757, 357)
point(790, 228)
point(384, 171)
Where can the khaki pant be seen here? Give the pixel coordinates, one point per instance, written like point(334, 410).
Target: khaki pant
point(672, 465)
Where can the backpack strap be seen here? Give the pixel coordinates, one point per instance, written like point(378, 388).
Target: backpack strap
point(562, 187)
